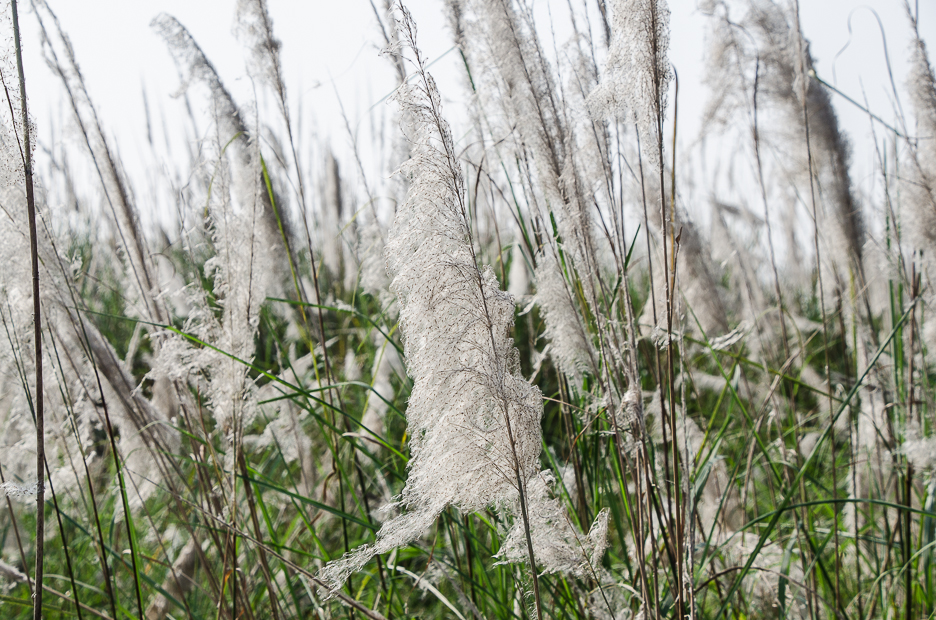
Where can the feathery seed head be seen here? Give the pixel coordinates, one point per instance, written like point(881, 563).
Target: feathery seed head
point(472, 419)
point(638, 72)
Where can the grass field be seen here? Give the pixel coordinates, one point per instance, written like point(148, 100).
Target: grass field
point(517, 379)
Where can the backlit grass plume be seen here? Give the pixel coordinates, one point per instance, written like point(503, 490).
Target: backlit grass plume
point(474, 421)
point(638, 71)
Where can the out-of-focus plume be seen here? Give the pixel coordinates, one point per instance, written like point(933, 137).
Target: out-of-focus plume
point(332, 245)
point(771, 55)
point(920, 185)
point(638, 72)
point(696, 273)
point(272, 222)
point(569, 343)
point(388, 363)
point(255, 28)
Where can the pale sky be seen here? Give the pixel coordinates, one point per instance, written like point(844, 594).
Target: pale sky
point(330, 50)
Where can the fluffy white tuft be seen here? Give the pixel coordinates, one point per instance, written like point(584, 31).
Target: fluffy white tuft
point(638, 72)
point(474, 421)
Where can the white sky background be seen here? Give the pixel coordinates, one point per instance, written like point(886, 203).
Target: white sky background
point(330, 50)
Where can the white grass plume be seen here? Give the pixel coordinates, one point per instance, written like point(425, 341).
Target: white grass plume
point(919, 184)
point(239, 269)
point(468, 398)
point(372, 272)
point(272, 223)
point(559, 547)
point(331, 218)
point(552, 135)
point(19, 492)
point(638, 72)
point(387, 364)
point(698, 275)
point(766, 39)
point(141, 283)
point(501, 34)
point(921, 84)
point(255, 28)
point(71, 392)
point(569, 342)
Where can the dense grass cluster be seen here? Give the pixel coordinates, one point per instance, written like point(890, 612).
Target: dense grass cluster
point(516, 379)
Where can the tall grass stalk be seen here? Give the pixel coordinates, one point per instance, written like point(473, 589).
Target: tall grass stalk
point(26, 156)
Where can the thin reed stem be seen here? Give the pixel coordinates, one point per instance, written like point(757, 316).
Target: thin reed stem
point(26, 155)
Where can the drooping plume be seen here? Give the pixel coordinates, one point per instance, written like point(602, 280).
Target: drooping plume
point(473, 420)
point(793, 106)
point(559, 547)
point(142, 284)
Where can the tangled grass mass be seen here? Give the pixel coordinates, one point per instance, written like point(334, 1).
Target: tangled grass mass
point(525, 372)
